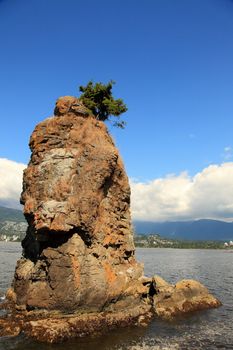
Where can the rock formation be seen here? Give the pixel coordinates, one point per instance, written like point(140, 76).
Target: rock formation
point(182, 298)
point(79, 250)
point(78, 269)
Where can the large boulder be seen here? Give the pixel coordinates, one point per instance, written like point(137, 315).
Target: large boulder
point(182, 298)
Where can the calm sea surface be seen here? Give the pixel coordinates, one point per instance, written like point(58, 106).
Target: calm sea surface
point(212, 329)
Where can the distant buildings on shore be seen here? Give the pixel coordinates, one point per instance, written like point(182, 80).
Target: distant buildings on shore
point(228, 244)
point(13, 238)
point(156, 241)
point(12, 231)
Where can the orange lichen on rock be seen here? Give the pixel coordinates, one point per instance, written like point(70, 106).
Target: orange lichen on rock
point(110, 275)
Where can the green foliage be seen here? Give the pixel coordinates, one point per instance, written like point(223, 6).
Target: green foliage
point(98, 98)
point(156, 241)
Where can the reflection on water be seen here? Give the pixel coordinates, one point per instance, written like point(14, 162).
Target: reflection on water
point(211, 329)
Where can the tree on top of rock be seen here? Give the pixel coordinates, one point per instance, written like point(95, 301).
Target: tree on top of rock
point(98, 98)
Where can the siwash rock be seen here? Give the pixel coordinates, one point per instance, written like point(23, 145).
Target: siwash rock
point(78, 250)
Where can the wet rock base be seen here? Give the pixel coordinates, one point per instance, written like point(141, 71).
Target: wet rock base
point(55, 328)
point(158, 299)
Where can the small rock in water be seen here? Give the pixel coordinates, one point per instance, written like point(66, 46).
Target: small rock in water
point(186, 296)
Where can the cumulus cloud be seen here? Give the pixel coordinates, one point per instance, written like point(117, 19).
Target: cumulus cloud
point(208, 194)
point(10, 182)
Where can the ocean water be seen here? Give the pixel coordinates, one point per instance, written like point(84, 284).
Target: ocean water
point(212, 329)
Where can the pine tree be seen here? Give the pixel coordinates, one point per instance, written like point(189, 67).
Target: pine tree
point(98, 98)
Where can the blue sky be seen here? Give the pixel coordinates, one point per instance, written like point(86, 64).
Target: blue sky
point(172, 61)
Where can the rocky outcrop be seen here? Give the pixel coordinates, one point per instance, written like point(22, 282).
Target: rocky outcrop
point(159, 298)
point(78, 274)
point(57, 327)
point(79, 250)
point(186, 296)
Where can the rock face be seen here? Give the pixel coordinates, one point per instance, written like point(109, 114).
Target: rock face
point(79, 250)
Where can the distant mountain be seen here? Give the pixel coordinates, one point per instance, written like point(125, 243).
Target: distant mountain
point(13, 226)
point(9, 214)
point(12, 221)
point(204, 229)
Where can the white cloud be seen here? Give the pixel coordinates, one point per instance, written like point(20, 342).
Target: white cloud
point(208, 194)
point(11, 174)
